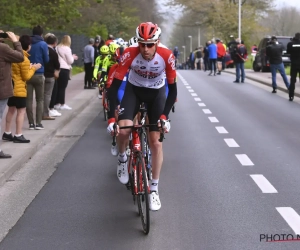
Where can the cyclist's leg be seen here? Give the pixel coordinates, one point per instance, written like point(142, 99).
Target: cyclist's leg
point(155, 109)
point(128, 109)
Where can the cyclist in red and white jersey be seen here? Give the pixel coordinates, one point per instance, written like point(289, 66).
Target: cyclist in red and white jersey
point(149, 63)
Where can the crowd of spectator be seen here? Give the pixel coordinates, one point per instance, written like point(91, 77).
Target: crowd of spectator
point(215, 56)
point(37, 66)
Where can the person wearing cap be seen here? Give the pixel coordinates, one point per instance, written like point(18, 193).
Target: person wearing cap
point(97, 47)
point(232, 46)
point(88, 58)
point(274, 53)
point(293, 50)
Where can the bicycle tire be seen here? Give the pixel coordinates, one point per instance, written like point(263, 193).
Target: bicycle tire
point(105, 114)
point(145, 150)
point(143, 197)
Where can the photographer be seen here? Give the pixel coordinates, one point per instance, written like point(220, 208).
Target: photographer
point(274, 53)
point(293, 49)
point(7, 57)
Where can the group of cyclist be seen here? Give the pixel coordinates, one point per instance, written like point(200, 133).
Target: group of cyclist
point(140, 71)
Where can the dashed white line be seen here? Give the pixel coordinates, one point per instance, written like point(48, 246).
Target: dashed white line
point(206, 111)
point(221, 130)
point(262, 182)
point(201, 104)
point(244, 160)
point(188, 87)
point(291, 217)
point(231, 143)
point(197, 99)
point(213, 119)
point(191, 90)
point(194, 94)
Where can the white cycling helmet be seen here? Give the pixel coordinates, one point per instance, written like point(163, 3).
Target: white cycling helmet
point(148, 31)
point(133, 40)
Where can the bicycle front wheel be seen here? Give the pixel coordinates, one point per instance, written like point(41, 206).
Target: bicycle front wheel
point(143, 193)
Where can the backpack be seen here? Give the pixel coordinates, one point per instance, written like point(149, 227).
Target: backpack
point(198, 54)
point(241, 50)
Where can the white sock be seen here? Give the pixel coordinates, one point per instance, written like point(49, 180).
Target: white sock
point(122, 157)
point(154, 185)
point(18, 135)
point(8, 133)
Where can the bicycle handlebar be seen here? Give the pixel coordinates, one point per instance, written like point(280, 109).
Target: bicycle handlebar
point(162, 133)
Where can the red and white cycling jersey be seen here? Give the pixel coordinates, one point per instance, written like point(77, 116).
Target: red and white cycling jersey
point(144, 73)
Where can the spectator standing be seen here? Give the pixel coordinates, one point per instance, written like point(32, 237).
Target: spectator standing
point(88, 59)
point(212, 52)
point(198, 57)
point(96, 47)
point(274, 53)
point(220, 55)
point(206, 56)
point(21, 72)
point(66, 59)
point(7, 57)
point(192, 60)
point(293, 49)
point(109, 40)
point(232, 46)
point(240, 56)
point(38, 54)
point(52, 69)
point(176, 54)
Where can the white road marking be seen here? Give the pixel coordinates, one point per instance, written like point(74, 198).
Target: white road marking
point(231, 143)
point(221, 130)
point(244, 160)
point(291, 217)
point(186, 84)
point(188, 87)
point(197, 99)
point(213, 119)
point(191, 90)
point(262, 182)
point(201, 104)
point(206, 111)
point(194, 94)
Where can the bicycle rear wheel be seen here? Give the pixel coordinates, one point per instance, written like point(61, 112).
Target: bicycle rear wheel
point(143, 194)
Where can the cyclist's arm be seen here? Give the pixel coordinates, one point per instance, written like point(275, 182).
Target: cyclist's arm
point(96, 67)
point(171, 78)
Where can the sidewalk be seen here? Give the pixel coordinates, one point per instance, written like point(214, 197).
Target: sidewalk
point(266, 79)
point(76, 97)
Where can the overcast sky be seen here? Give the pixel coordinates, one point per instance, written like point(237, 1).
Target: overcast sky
point(295, 3)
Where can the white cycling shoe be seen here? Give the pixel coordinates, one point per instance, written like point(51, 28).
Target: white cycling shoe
point(122, 172)
point(154, 201)
point(114, 150)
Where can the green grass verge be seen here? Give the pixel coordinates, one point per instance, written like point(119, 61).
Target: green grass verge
point(77, 70)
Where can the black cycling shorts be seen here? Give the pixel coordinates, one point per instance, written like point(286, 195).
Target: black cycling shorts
point(220, 59)
point(155, 100)
point(18, 102)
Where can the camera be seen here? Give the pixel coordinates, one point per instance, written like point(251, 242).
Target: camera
point(3, 35)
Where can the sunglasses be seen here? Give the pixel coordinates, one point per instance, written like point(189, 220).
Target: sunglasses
point(148, 45)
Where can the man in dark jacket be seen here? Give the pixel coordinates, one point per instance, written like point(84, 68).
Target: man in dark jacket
point(239, 57)
point(7, 57)
point(293, 49)
point(51, 74)
point(274, 53)
point(38, 54)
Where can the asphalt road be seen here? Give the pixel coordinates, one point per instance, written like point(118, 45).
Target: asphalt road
point(218, 190)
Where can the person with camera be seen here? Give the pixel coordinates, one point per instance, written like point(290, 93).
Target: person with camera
point(7, 57)
point(274, 53)
point(293, 49)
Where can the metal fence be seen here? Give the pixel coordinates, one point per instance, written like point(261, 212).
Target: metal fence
point(77, 45)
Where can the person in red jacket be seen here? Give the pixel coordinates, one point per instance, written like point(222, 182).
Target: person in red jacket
point(221, 52)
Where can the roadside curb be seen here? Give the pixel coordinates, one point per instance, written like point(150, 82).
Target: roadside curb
point(15, 163)
point(264, 82)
